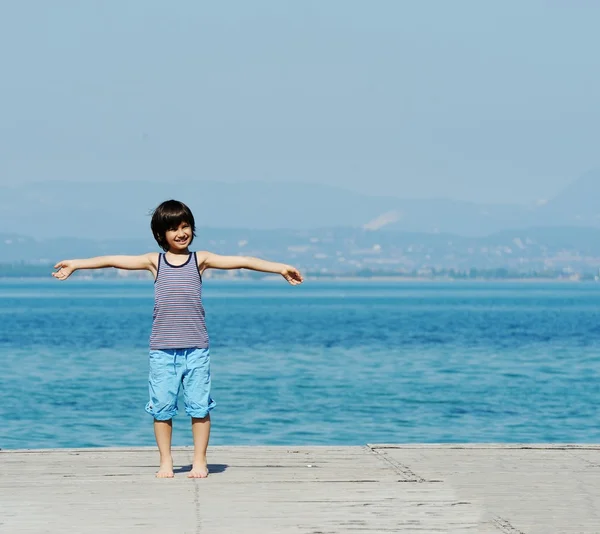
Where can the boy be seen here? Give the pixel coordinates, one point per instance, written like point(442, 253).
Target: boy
point(179, 347)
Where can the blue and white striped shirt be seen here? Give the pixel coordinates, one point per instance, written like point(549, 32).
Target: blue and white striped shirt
point(178, 319)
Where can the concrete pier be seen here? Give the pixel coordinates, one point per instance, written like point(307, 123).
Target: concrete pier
point(511, 489)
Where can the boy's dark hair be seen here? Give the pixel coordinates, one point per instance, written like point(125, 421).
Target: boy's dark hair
point(168, 215)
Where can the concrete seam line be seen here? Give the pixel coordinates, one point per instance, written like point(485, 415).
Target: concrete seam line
point(505, 526)
point(406, 472)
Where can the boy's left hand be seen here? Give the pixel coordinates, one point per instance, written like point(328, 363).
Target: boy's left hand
point(292, 275)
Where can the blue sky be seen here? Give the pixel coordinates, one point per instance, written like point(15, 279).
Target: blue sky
point(483, 101)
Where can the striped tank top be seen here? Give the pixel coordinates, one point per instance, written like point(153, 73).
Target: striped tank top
point(178, 319)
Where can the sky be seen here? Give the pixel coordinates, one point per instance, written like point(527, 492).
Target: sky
point(479, 101)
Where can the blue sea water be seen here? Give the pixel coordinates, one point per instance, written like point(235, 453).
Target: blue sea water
point(322, 363)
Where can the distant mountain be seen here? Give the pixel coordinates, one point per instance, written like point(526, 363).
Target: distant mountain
point(578, 204)
point(119, 210)
point(456, 217)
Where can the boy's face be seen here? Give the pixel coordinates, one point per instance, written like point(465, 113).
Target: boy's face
point(178, 239)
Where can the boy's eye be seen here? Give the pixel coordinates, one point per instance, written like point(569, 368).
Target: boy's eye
point(176, 228)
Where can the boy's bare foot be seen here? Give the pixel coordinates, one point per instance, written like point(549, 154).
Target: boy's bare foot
point(166, 469)
point(199, 471)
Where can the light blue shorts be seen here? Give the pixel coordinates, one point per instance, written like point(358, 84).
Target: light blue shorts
point(171, 369)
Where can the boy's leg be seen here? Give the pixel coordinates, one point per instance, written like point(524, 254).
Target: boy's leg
point(164, 380)
point(201, 433)
point(163, 430)
point(198, 404)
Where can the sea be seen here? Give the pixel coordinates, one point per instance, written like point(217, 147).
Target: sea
point(324, 363)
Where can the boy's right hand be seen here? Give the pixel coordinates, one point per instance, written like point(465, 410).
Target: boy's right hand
point(65, 269)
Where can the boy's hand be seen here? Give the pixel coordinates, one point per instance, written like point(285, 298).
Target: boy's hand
point(292, 275)
point(65, 269)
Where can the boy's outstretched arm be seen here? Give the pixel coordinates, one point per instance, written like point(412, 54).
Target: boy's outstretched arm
point(208, 260)
point(66, 268)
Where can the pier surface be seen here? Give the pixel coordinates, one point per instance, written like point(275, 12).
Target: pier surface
point(481, 489)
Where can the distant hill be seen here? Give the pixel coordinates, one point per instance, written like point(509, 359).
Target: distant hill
point(119, 210)
point(578, 204)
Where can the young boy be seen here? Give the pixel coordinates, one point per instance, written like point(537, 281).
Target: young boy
point(179, 348)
